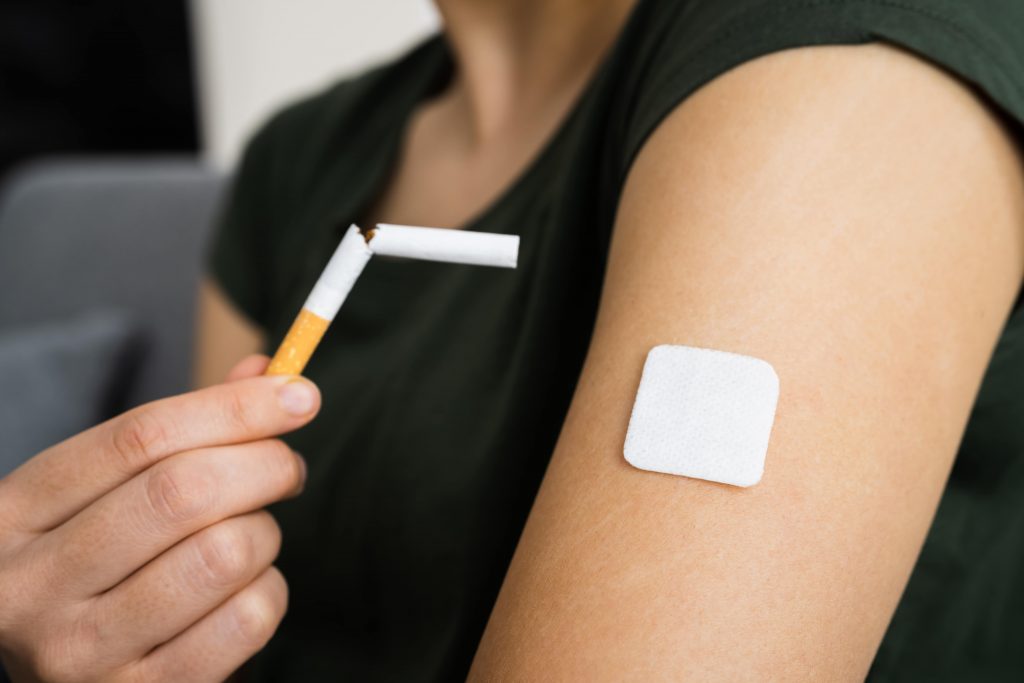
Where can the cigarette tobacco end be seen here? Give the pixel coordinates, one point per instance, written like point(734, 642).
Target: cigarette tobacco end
point(367, 233)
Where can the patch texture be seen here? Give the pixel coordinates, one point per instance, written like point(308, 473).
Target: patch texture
point(703, 414)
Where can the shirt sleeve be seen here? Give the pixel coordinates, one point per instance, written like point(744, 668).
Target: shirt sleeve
point(981, 42)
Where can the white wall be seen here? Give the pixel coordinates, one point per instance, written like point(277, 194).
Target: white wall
point(254, 55)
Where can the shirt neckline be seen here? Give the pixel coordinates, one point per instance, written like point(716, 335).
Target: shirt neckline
point(439, 72)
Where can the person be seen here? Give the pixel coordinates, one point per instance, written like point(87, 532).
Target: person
point(834, 187)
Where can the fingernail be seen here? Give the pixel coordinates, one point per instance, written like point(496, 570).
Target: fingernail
point(297, 397)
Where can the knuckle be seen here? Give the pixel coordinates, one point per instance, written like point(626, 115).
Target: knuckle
point(255, 618)
point(140, 439)
point(175, 494)
point(226, 554)
point(87, 636)
point(288, 470)
point(237, 410)
point(271, 528)
point(269, 534)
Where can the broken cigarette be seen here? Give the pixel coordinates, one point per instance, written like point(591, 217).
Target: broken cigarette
point(352, 255)
point(441, 244)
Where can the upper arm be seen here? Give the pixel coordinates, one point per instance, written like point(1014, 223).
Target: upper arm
point(856, 218)
point(235, 297)
point(224, 336)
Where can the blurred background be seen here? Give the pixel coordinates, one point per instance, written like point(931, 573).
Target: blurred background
point(254, 54)
point(120, 122)
point(173, 75)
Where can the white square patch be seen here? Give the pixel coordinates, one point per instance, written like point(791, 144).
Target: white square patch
point(703, 414)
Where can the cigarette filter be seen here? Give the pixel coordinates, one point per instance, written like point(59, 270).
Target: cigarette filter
point(352, 255)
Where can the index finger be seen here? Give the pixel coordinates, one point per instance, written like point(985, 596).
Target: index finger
point(64, 479)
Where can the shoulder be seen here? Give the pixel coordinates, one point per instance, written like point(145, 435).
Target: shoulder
point(673, 49)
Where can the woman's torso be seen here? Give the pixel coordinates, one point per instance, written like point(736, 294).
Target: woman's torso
point(445, 387)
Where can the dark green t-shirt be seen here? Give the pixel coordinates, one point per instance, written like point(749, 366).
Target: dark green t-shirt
point(445, 386)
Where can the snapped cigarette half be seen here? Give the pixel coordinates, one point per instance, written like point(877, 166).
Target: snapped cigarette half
point(352, 255)
point(441, 244)
point(322, 305)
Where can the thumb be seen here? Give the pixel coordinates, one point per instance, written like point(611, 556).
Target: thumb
point(250, 366)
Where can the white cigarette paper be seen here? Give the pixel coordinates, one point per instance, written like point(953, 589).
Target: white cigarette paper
point(448, 245)
point(352, 255)
point(341, 273)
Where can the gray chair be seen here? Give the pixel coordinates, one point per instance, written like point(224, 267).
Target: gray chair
point(123, 235)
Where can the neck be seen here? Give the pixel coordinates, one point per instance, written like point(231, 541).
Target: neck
point(520, 55)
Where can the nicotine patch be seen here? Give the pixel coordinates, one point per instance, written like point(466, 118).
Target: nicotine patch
point(703, 414)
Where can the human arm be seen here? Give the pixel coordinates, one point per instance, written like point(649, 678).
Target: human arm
point(855, 217)
point(224, 335)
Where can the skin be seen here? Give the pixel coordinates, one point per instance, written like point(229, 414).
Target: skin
point(856, 218)
point(223, 335)
point(888, 207)
point(138, 551)
point(521, 66)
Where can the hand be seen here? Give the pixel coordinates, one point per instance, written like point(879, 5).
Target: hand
point(138, 550)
